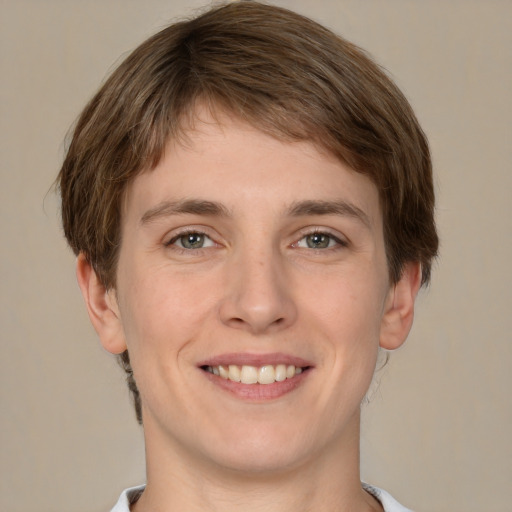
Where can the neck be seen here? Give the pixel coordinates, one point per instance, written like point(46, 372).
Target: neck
point(326, 482)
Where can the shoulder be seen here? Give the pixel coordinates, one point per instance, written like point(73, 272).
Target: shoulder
point(387, 501)
point(128, 496)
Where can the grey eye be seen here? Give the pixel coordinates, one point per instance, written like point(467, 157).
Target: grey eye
point(318, 241)
point(191, 241)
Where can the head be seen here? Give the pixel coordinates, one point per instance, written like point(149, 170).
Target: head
point(275, 70)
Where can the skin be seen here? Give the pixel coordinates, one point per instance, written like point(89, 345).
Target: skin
point(255, 288)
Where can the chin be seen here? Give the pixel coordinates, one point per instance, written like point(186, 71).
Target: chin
point(261, 450)
point(253, 462)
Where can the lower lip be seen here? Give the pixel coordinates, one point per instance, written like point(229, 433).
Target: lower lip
point(258, 392)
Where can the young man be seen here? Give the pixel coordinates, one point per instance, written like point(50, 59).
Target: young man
point(251, 202)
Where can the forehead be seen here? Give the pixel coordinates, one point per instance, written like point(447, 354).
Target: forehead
point(223, 159)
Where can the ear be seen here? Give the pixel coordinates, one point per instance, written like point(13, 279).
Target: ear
point(399, 309)
point(102, 307)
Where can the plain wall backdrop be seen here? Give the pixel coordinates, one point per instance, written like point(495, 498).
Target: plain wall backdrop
point(437, 430)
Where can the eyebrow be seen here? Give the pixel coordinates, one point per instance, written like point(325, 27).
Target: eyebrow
point(185, 206)
point(337, 207)
point(215, 209)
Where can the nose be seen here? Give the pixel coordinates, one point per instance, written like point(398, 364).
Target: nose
point(258, 295)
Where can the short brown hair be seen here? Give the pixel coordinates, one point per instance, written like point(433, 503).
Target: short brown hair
point(282, 73)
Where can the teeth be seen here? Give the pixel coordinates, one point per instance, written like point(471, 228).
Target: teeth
point(224, 372)
point(280, 372)
point(267, 374)
point(234, 373)
point(249, 375)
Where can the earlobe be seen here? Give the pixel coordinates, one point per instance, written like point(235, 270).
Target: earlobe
point(102, 307)
point(399, 310)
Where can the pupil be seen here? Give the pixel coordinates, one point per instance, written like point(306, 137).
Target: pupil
point(192, 241)
point(318, 241)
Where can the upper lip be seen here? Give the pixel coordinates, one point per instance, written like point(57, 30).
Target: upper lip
point(247, 359)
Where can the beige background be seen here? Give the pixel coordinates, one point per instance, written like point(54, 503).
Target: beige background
point(437, 432)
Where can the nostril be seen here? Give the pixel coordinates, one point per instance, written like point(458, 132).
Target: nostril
point(256, 311)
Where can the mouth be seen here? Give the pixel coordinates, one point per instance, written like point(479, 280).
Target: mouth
point(248, 374)
point(256, 377)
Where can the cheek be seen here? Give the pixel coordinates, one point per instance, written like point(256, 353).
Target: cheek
point(162, 316)
point(165, 310)
point(349, 302)
point(348, 315)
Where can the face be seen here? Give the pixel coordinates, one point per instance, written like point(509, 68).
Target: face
point(252, 293)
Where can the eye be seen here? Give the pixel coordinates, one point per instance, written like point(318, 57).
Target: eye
point(192, 240)
point(319, 240)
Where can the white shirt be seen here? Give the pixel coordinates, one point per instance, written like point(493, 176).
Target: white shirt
point(389, 504)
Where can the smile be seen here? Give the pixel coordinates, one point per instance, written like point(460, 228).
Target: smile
point(246, 374)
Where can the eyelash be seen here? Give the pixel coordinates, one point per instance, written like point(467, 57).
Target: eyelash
point(339, 242)
point(182, 234)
